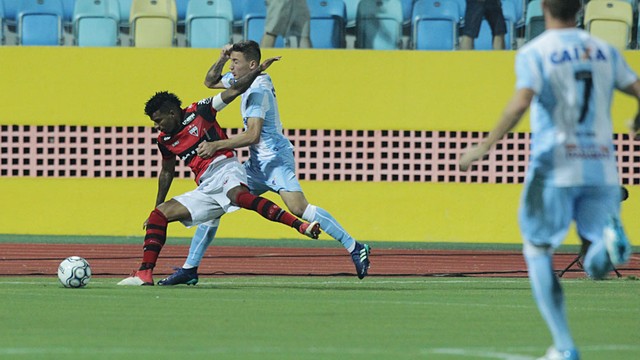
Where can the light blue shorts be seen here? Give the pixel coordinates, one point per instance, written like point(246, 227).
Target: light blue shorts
point(274, 175)
point(546, 212)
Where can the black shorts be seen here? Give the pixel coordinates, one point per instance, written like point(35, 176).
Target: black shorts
point(480, 9)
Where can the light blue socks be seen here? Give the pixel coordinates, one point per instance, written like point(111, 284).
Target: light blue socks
point(204, 235)
point(548, 294)
point(329, 225)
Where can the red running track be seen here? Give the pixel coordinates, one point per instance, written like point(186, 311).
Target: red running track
point(120, 260)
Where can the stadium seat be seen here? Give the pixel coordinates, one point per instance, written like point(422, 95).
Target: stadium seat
point(67, 10)
point(153, 23)
point(611, 21)
point(209, 23)
point(125, 10)
point(352, 10)
point(40, 22)
point(518, 7)
point(255, 13)
point(407, 9)
point(181, 8)
point(96, 22)
point(435, 25)
point(1, 22)
point(327, 23)
point(11, 11)
point(462, 8)
point(379, 24)
point(485, 37)
point(238, 12)
point(534, 23)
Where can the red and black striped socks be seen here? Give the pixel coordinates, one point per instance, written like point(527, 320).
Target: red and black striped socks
point(154, 239)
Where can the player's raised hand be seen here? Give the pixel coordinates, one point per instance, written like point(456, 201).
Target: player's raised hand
point(474, 153)
point(225, 52)
point(265, 64)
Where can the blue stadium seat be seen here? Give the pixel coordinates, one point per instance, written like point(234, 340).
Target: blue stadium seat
point(534, 22)
point(40, 22)
point(209, 23)
point(519, 11)
point(181, 7)
point(96, 22)
point(462, 7)
point(485, 37)
point(125, 10)
point(67, 10)
point(407, 9)
point(255, 12)
point(238, 12)
point(379, 24)
point(435, 25)
point(352, 10)
point(1, 22)
point(327, 23)
point(11, 11)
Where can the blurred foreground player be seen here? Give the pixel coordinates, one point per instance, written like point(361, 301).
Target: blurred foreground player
point(221, 178)
point(568, 78)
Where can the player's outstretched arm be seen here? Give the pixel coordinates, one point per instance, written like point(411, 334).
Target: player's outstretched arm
point(214, 75)
point(510, 117)
point(242, 84)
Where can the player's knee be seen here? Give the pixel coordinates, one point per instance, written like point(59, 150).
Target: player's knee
point(297, 209)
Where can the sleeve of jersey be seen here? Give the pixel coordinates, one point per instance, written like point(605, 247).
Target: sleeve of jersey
point(227, 80)
point(217, 104)
point(528, 71)
point(624, 75)
point(257, 105)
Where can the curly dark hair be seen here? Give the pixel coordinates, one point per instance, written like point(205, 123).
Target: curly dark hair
point(162, 100)
point(249, 48)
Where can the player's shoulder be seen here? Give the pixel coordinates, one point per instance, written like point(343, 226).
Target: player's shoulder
point(263, 81)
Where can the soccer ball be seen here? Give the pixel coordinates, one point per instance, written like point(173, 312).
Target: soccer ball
point(74, 272)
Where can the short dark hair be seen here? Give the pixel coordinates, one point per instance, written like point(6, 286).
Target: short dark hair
point(161, 100)
point(249, 48)
point(564, 9)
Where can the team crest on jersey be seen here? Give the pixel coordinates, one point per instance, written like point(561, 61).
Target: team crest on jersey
point(194, 131)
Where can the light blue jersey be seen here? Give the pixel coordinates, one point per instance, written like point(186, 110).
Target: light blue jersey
point(572, 174)
point(573, 76)
point(271, 164)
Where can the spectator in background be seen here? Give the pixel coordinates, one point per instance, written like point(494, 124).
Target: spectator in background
point(287, 18)
point(477, 10)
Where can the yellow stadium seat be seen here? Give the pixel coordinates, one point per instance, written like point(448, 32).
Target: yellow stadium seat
point(610, 20)
point(153, 23)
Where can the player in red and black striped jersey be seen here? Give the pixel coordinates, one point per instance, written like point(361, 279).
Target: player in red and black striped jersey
point(221, 178)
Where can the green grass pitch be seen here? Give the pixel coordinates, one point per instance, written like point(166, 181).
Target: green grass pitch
point(310, 318)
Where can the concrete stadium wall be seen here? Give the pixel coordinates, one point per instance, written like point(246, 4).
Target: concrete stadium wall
point(332, 89)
